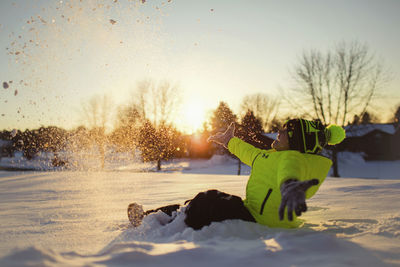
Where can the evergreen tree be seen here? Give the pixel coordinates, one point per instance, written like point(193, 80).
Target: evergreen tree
point(147, 141)
point(366, 118)
point(252, 126)
point(397, 115)
point(159, 143)
point(251, 131)
point(222, 117)
point(356, 120)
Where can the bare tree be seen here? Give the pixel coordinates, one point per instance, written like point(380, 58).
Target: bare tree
point(264, 107)
point(166, 101)
point(156, 102)
point(336, 85)
point(97, 113)
point(140, 97)
point(396, 117)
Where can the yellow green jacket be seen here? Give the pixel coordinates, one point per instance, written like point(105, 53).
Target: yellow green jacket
point(269, 169)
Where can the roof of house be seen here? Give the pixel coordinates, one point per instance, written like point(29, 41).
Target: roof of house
point(363, 129)
point(358, 130)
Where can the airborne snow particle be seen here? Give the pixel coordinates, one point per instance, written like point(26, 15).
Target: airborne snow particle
point(15, 92)
point(112, 21)
point(5, 85)
point(42, 20)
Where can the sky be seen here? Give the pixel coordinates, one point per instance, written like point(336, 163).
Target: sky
point(56, 55)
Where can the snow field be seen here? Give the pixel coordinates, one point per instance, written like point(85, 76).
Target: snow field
point(79, 218)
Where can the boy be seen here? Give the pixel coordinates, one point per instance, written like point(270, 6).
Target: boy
point(281, 178)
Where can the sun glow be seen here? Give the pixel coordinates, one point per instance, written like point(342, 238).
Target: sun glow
point(192, 117)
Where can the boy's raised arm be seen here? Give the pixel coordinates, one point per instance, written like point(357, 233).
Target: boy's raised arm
point(244, 151)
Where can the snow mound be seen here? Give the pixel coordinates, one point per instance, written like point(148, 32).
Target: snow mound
point(354, 158)
point(353, 165)
point(213, 161)
point(229, 243)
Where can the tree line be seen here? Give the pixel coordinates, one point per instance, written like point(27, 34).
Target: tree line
point(153, 143)
point(135, 133)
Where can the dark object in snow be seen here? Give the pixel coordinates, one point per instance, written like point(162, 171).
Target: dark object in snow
point(6, 147)
point(135, 214)
point(215, 206)
point(5, 85)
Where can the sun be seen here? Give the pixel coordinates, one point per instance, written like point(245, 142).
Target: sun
point(192, 117)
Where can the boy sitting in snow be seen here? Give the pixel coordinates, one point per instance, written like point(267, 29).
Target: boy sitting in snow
point(281, 178)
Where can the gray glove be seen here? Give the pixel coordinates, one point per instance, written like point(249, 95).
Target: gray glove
point(294, 197)
point(223, 138)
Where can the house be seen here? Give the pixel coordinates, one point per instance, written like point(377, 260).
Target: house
point(375, 141)
point(6, 148)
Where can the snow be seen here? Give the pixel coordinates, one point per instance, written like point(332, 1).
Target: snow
point(78, 218)
point(272, 135)
point(354, 165)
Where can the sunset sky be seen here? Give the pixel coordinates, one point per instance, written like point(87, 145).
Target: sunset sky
point(58, 54)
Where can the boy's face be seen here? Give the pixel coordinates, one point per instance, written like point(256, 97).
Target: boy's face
point(282, 141)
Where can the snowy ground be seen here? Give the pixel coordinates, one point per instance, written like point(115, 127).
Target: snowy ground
point(74, 218)
point(350, 165)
